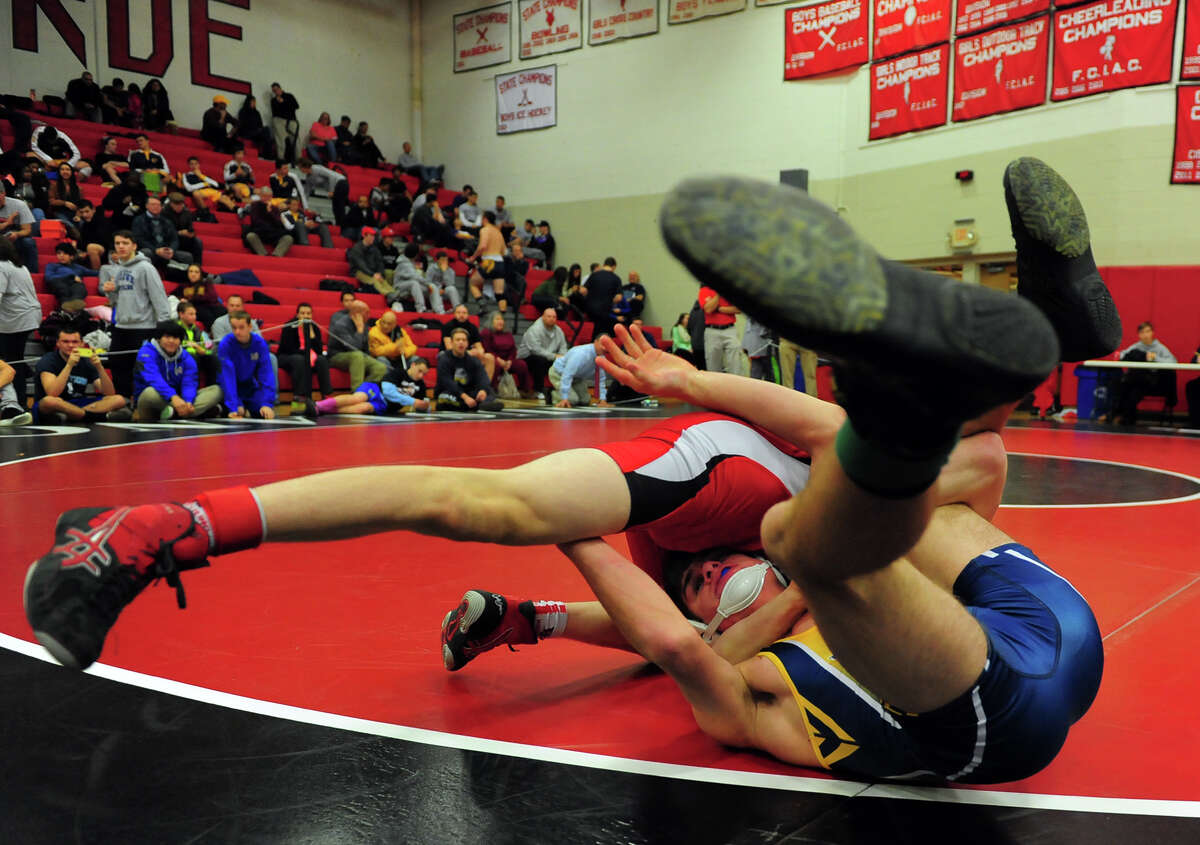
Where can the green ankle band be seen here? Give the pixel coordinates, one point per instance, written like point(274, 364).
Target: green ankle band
point(878, 469)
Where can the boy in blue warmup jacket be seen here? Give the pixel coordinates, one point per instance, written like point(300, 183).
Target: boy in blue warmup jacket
point(247, 378)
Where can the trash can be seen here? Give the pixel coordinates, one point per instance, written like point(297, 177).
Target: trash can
point(1085, 397)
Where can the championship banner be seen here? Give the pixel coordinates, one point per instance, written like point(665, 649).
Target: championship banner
point(527, 99)
point(909, 92)
point(974, 15)
point(772, 2)
point(686, 11)
point(824, 38)
point(902, 26)
point(1186, 169)
point(1191, 41)
point(483, 38)
point(550, 26)
point(1112, 44)
point(1001, 70)
point(612, 20)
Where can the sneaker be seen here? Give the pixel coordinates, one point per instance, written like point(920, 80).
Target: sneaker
point(120, 415)
point(1055, 268)
point(166, 413)
point(310, 409)
point(101, 560)
point(902, 338)
point(13, 415)
point(481, 622)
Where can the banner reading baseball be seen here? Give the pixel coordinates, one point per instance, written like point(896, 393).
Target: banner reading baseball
point(909, 92)
point(686, 11)
point(905, 25)
point(1191, 41)
point(612, 20)
point(527, 99)
point(1186, 168)
point(1112, 44)
point(483, 37)
point(1001, 70)
point(824, 38)
point(550, 26)
point(974, 15)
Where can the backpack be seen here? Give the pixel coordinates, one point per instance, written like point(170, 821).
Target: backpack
point(340, 285)
point(245, 278)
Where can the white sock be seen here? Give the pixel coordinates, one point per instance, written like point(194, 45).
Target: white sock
point(549, 619)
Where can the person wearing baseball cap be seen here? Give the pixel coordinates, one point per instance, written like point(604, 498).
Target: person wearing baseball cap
point(219, 127)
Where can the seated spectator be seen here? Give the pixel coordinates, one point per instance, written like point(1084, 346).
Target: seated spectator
point(575, 371)
point(389, 344)
point(65, 277)
point(301, 353)
point(633, 296)
point(166, 381)
point(552, 293)
point(111, 165)
point(151, 167)
point(115, 103)
point(461, 320)
point(239, 176)
point(461, 197)
point(221, 327)
point(641, 324)
point(504, 220)
point(409, 281)
point(398, 204)
point(196, 341)
point(321, 181)
point(95, 233)
point(413, 167)
point(126, 200)
point(542, 344)
point(156, 106)
point(54, 147)
point(300, 223)
point(12, 412)
point(399, 391)
point(284, 185)
point(1192, 391)
point(360, 216)
point(157, 238)
point(16, 224)
point(470, 217)
point(205, 191)
point(462, 382)
point(251, 128)
point(247, 377)
point(348, 345)
point(61, 381)
point(543, 241)
point(64, 198)
point(218, 127)
point(366, 263)
point(364, 147)
point(85, 98)
point(681, 339)
point(199, 290)
point(442, 284)
point(490, 269)
point(264, 227)
point(322, 138)
point(430, 226)
point(185, 225)
point(386, 243)
point(499, 341)
point(134, 105)
point(1136, 383)
point(516, 268)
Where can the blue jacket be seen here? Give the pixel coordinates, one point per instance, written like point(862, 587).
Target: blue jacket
point(174, 376)
point(54, 271)
point(248, 367)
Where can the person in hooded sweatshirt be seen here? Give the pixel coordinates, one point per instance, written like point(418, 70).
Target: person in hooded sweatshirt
point(247, 377)
point(139, 303)
point(165, 379)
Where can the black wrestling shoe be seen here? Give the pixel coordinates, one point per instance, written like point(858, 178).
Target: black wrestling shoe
point(1055, 268)
point(481, 622)
point(907, 343)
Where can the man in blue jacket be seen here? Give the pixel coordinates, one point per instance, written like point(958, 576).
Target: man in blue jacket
point(247, 378)
point(165, 379)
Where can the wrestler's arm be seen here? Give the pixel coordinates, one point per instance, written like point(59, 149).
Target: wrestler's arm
point(773, 621)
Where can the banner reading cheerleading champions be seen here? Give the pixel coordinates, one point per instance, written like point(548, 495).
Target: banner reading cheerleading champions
point(1112, 44)
point(1001, 70)
point(550, 26)
point(612, 20)
point(823, 38)
point(483, 37)
point(909, 92)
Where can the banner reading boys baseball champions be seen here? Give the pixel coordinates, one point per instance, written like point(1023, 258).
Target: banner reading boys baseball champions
point(909, 92)
point(824, 38)
point(1112, 44)
point(527, 99)
point(974, 15)
point(550, 26)
point(905, 25)
point(612, 20)
point(1186, 167)
point(685, 11)
point(1191, 41)
point(483, 38)
point(1001, 70)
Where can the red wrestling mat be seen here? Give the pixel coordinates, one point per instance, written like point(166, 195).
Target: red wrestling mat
point(352, 628)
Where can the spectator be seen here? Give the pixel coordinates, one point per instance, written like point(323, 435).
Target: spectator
point(633, 296)
point(239, 176)
point(490, 266)
point(759, 343)
point(251, 128)
point(462, 197)
point(33, 189)
point(462, 382)
point(85, 97)
point(126, 200)
point(138, 300)
point(149, 165)
point(364, 147)
point(542, 344)
point(573, 372)
point(198, 290)
point(470, 218)
point(54, 147)
point(20, 312)
point(429, 224)
point(196, 341)
point(366, 263)
point(166, 380)
point(399, 390)
point(12, 412)
point(61, 380)
point(641, 324)
point(516, 266)
point(504, 220)
point(284, 125)
point(205, 191)
point(300, 224)
point(64, 277)
point(398, 204)
point(65, 198)
point(319, 180)
point(461, 320)
point(544, 242)
point(386, 242)
point(408, 281)
point(527, 233)
point(348, 343)
point(16, 227)
point(552, 293)
point(345, 141)
point(722, 352)
point(322, 138)
point(221, 326)
point(681, 340)
point(601, 294)
point(177, 214)
point(301, 353)
point(156, 106)
point(218, 127)
point(360, 216)
point(157, 238)
point(264, 227)
point(247, 379)
point(413, 167)
point(109, 163)
point(499, 341)
point(389, 344)
point(1136, 383)
point(114, 103)
point(442, 283)
point(134, 105)
point(95, 233)
point(1192, 391)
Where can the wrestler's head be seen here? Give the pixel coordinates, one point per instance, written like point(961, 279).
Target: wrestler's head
point(697, 583)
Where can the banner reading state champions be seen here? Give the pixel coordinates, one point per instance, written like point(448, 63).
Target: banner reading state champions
point(550, 26)
point(1112, 44)
point(909, 92)
point(685, 11)
point(612, 20)
point(483, 37)
point(1186, 167)
point(824, 38)
point(527, 99)
point(904, 25)
point(974, 15)
point(1001, 70)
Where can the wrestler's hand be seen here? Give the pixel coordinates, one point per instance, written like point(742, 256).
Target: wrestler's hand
point(642, 367)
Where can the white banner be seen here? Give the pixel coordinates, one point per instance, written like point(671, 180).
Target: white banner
point(612, 20)
point(685, 11)
point(527, 99)
point(483, 37)
point(550, 26)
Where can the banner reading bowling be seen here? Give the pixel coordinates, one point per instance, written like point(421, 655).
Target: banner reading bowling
point(1001, 70)
point(974, 15)
point(483, 37)
point(612, 20)
point(1186, 167)
point(685, 11)
point(1112, 44)
point(905, 25)
point(909, 92)
point(824, 38)
point(527, 99)
point(550, 26)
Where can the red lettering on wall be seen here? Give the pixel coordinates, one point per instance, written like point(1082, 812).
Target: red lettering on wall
point(163, 44)
point(201, 27)
point(25, 26)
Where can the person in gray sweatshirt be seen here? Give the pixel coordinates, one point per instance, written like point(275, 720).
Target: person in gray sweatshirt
point(542, 344)
point(1136, 383)
point(139, 303)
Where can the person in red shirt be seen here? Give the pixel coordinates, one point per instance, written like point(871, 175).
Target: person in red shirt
point(722, 349)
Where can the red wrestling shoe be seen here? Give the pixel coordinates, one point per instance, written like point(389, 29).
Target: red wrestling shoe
point(481, 622)
point(101, 560)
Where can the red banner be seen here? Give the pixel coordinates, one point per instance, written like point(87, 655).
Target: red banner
point(1112, 44)
point(1191, 41)
point(909, 92)
point(1001, 70)
point(905, 25)
point(823, 38)
point(1186, 168)
point(974, 15)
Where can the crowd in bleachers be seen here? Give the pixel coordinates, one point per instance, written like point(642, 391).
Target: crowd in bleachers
point(125, 235)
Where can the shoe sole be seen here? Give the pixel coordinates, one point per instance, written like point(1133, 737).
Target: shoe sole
point(1049, 208)
point(476, 604)
point(56, 649)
